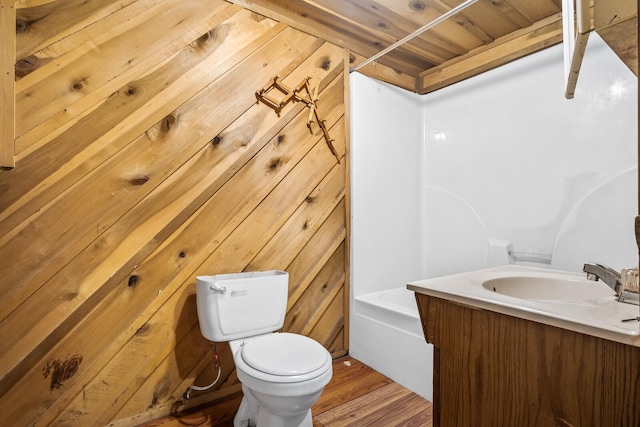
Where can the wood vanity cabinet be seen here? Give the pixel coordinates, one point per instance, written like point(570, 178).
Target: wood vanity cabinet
point(493, 370)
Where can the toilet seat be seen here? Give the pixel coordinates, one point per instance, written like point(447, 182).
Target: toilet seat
point(283, 358)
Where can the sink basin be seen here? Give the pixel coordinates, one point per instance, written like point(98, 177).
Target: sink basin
point(548, 288)
point(557, 298)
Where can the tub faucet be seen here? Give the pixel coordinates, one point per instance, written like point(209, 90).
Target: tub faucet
point(607, 275)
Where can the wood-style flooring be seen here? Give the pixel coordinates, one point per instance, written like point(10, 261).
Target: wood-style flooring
point(356, 396)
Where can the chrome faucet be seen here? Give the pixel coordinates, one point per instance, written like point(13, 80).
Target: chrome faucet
point(613, 279)
point(604, 273)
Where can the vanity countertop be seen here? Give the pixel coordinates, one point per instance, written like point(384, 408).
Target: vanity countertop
point(601, 317)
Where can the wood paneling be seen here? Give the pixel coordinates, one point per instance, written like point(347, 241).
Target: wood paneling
point(491, 369)
point(515, 45)
point(483, 36)
point(7, 85)
point(143, 160)
point(366, 27)
point(622, 38)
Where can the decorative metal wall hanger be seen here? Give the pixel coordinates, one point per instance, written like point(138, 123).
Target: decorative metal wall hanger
point(293, 95)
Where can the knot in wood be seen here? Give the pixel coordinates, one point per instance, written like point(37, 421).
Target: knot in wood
point(417, 5)
point(143, 330)
point(22, 26)
point(205, 37)
point(28, 65)
point(275, 164)
point(325, 63)
point(167, 123)
point(133, 280)
point(201, 42)
point(79, 85)
point(139, 181)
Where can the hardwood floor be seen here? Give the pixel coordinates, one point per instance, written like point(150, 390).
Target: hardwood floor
point(356, 396)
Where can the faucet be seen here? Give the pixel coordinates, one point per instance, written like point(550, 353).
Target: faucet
point(613, 279)
point(607, 275)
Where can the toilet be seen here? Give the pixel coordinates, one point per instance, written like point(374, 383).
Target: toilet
point(282, 374)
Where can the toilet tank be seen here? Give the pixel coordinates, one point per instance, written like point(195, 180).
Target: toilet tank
point(240, 305)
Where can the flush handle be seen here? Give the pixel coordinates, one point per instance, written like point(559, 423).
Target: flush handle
point(217, 290)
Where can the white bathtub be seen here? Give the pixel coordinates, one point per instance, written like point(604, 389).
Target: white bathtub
point(386, 335)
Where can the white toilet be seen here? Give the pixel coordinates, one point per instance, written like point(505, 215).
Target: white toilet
point(282, 374)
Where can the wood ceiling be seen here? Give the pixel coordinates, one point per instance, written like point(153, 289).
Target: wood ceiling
point(485, 35)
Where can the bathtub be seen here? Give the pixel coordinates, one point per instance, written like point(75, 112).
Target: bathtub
point(386, 335)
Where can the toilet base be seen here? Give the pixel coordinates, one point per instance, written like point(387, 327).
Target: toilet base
point(251, 414)
point(266, 419)
point(247, 415)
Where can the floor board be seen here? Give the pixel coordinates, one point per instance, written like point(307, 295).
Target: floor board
point(356, 396)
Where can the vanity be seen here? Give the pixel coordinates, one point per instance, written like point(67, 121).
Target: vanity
point(521, 346)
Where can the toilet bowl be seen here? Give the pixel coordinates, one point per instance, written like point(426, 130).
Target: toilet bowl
point(282, 374)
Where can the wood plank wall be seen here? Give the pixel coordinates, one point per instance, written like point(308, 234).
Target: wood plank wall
point(143, 160)
point(7, 83)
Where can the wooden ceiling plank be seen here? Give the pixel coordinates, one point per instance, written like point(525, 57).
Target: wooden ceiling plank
point(366, 26)
point(518, 44)
point(534, 10)
point(419, 13)
point(384, 73)
point(377, 16)
point(558, 3)
point(346, 18)
point(462, 20)
point(298, 17)
point(508, 10)
point(486, 17)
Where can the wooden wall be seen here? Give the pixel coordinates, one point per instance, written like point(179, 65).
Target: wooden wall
point(143, 160)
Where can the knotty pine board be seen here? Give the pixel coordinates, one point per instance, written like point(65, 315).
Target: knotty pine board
point(544, 33)
point(165, 169)
point(142, 181)
point(59, 83)
point(7, 83)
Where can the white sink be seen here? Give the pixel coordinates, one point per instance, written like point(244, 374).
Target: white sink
point(558, 298)
point(549, 288)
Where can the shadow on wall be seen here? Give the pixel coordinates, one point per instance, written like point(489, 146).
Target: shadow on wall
point(598, 228)
point(456, 238)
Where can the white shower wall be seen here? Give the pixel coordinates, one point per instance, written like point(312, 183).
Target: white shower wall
point(387, 208)
point(386, 180)
point(501, 156)
point(520, 157)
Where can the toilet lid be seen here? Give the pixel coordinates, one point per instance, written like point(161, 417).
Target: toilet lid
point(284, 354)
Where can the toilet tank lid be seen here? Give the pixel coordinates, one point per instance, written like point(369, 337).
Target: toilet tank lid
point(284, 354)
